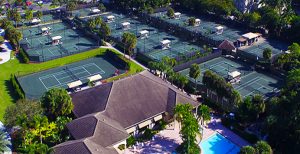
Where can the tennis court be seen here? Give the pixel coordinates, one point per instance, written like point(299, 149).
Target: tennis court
point(207, 31)
point(150, 45)
point(60, 77)
point(251, 81)
point(40, 47)
point(206, 28)
point(256, 50)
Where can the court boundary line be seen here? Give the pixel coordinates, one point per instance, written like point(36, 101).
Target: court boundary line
point(101, 71)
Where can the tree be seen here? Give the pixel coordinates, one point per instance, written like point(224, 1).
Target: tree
point(1, 40)
point(294, 48)
point(39, 14)
point(258, 105)
point(183, 80)
point(170, 13)
point(203, 113)
point(28, 15)
point(189, 130)
point(129, 40)
point(4, 143)
point(57, 102)
point(105, 30)
point(253, 19)
point(267, 54)
point(71, 5)
point(262, 147)
point(14, 36)
point(101, 7)
point(27, 108)
point(247, 150)
point(195, 73)
point(293, 78)
point(192, 21)
point(17, 17)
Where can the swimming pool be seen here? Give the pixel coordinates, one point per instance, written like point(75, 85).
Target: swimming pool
point(218, 144)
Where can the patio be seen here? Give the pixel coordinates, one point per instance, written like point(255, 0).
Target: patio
point(166, 141)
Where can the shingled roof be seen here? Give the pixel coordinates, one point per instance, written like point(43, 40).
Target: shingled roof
point(226, 45)
point(104, 112)
point(130, 100)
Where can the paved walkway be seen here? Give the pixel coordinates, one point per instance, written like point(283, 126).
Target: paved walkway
point(6, 52)
point(127, 56)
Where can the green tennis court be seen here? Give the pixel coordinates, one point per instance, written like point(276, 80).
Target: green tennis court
point(251, 81)
point(41, 47)
point(150, 45)
point(61, 76)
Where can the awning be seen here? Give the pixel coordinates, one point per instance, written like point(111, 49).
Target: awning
point(125, 24)
point(234, 74)
point(250, 35)
point(110, 17)
point(95, 10)
point(157, 118)
point(74, 84)
point(143, 32)
point(164, 42)
point(219, 27)
point(241, 39)
point(45, 28)
point(95, 77)
point(177, 13)
point(146, 123)
point(56, 38)
point(130, 130)
point(35, 20)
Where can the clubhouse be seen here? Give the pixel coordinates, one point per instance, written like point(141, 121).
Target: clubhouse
point(109, 113)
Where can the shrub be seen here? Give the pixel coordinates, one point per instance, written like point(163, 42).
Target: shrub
point(162, 125)
point(148, 134)
point(121, 147)
point(16, 87)
point(23, 56)
point(130, 141)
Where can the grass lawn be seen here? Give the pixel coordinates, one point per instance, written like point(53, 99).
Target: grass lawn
point(7, 96)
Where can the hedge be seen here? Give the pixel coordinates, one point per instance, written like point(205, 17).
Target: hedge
point(23, 56)
point(16, 87)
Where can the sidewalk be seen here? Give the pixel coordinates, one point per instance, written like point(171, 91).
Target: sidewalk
point(6, 52)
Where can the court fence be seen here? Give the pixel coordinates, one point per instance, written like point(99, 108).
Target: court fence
point(197, 61)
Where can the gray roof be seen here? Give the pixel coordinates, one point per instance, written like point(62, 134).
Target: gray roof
point(103, 112)
point(83, 146)
point(130, 100)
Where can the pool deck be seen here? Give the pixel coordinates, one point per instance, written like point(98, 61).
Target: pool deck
point(216, 127)
point(166, 141)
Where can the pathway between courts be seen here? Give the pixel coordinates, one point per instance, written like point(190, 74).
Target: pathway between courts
point(109, 46)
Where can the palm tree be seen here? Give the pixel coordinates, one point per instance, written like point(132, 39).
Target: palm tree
point(183, 80)
point(195, 73)
point(4, 143)
point(203, 113)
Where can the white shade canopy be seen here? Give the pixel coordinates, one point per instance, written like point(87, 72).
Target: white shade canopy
point(95, 77)
point(35, 20)
point(74, 84)
point(95, 10)
point(143, 32)
point(56, 38)
point(164, 42)
point(177, 13)
point(197, 20)
point(110, 17)
point(219, 27)
point(250, 35)
point(125, 24)
point(234, 74)
point(45, 28)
